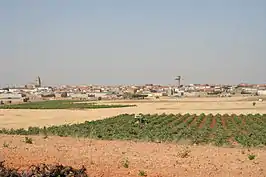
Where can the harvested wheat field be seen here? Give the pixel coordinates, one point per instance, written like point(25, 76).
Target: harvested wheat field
point(127, 158)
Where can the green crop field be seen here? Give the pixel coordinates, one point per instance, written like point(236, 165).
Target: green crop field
point(60, 104)
point(245, 130)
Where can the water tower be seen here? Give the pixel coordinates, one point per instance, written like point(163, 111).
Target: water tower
point(178, 79)
point(38, 82)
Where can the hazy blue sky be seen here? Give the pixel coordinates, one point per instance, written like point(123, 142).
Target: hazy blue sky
point(126, 41)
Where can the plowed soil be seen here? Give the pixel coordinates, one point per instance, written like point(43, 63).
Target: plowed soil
point(107, 158)
point(213, 123)
point(224, 122)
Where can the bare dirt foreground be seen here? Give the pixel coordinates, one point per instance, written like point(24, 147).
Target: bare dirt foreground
point(108, 158)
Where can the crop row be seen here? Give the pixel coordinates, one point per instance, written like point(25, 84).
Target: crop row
point(247, 130)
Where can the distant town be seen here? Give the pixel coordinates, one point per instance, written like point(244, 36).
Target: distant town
point(36, 91)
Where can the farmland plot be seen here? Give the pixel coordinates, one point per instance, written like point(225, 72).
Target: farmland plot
point(61, 104)
point(246, 130)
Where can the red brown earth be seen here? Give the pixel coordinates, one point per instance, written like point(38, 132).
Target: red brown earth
point(107, 158)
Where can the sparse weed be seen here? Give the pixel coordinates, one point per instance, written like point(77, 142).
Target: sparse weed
point(142, 173)
point(251, 156)
point(92, 162)
point(5, 145)
point(45, 133)
point(126, 163)
point(184, 153)
point(28, 140)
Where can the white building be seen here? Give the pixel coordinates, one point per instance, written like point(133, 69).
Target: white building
point(10, 96)
point(261, 92)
